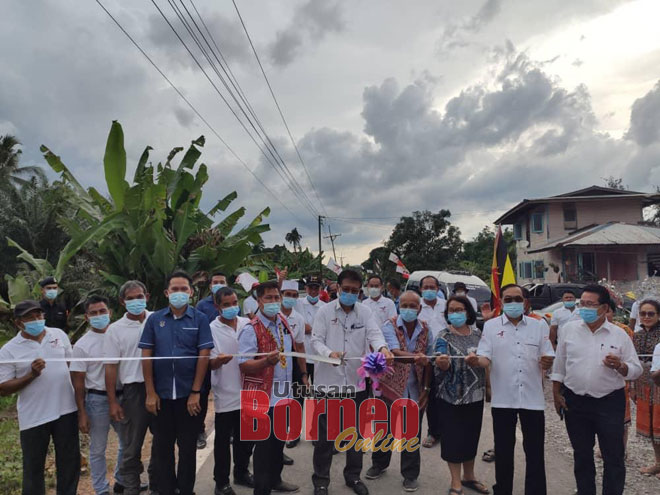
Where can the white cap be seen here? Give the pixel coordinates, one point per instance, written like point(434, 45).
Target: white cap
point(290, 285)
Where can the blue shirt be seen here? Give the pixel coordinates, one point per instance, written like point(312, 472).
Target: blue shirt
point(169, 336)
point(282, 377)
point(207, 307)
point(412, 387)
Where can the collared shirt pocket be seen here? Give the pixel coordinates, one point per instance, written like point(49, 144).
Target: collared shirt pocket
point(187, 337)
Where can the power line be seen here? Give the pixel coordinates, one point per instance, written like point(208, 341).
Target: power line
point(279, 109)
point(192, 107)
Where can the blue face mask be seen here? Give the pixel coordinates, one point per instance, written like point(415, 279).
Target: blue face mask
point(514, 309)
point(179, 299)
point(136, 306)
point(313, 300)
point(408, 314)
point(230, 313)
point(289, 302)
point(430, 295)
point(99, 322)
point(457, 319)
point(569, 304)
point(216, 287)
point(271, 309)
point(51, 294)
point(34, 328)
point(589, 315)
point(347, 299)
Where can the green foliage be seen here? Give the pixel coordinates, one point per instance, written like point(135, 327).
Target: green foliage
point(299, 264)
point(11, 467)
point(380, 264)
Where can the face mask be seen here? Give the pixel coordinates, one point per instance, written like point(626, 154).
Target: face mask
point(179, 299)
point(333, 296)
point(216, 287)
point(289, 302)
point(460, 293)
point(589, 315)
point(408, 314)
point(313, 300)
point(100, 322)
point(347, 299)
point(569, 304)
point(374, 292)
point(430, 295)
point(271, 309)
point(136, 306)
point(230, 313)
point(34, 328)
point(457, 319)
point(51, 294)
point(514, 309)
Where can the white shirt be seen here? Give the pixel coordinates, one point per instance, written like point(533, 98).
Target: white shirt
point(121, 340)
point(434, 316)
point(383, 309)
point(250, 305)
point(296, 323)
point(226, 381)
point(308, 310)
point(354, 333)
point(580, 353)
point(90, 345)
point(655, 366)
point(514, 353)
point(50, 395)
point(562, 316)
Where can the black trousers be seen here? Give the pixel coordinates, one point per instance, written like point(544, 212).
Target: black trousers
point(34, 444)
point(267, 461)
point(174, 424)
point(310, 371)
point(432, 418)
point(204, 401)
point(533, 430)
point(586, 418)
point(410, 461)
point(228, 424)
point(322, 459)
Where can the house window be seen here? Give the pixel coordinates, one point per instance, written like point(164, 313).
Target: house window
point(539, 269)
point(537, 222)
point(526, 269)
point(570, 217)
point(517, 231)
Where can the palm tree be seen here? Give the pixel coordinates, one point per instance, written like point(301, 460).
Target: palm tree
point(294, 239)
point(10, 170)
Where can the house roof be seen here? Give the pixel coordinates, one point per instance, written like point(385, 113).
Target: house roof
point(592, 193)
point(609, 234)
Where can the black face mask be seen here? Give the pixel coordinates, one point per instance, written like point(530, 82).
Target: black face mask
point(333, 296)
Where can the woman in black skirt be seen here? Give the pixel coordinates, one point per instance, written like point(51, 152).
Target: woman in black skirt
point(460, 390)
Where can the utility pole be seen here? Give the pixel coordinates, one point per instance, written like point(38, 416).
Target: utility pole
point(320, 251)
point(332, 238)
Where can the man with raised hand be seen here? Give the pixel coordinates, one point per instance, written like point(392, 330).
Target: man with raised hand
point(174, 385)
point(121, 341)
point(46, 404)
point(382, 307)
point(343, 328)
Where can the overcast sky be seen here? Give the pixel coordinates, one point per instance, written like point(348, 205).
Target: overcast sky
point(396, 106)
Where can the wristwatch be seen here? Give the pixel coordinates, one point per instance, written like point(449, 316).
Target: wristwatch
point(195, 391)
point(427, 388)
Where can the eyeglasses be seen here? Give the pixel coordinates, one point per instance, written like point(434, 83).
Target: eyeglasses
point(456, 310)
point(510, 299)
point(350, 290)
point(589, 304)
point(647, 314)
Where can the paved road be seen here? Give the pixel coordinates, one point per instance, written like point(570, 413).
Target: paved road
point(434, 477)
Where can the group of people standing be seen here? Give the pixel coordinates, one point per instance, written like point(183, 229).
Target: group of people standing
point(439, 359)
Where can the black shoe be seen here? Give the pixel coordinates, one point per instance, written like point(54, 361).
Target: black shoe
point(119, 488)
point(286, 460)
point(292, 443)
point(225, 490)
point(334, 450)
point(201, 441)
point(410, 485)
point(284, 487)
point(245, 480)
point(358, 487)
point(374, 472)
point(320, 490)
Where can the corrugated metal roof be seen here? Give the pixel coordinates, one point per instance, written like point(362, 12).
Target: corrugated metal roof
point(609, 234)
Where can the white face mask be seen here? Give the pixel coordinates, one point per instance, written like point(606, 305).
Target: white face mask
point(460, 293)
point(374, 292)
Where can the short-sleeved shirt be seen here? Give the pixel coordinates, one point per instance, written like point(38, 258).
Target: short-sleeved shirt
point(50, 395)
point(412, 390)
point(207, 307)
point(90, 345)
point(383, 309)
point(514, 352)
point(309, 310)
point(282, 377)
point(121, 340)
point(296, 323)
point(226, 381)
point(562, 316)
point(168, 336)
point(55, 314)
point(434, 316)
point(655, 366)
point(250, 305)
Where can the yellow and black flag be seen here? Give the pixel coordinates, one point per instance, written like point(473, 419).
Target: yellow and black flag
point(502, 270)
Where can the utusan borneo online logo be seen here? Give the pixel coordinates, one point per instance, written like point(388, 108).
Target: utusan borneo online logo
point(379, 427)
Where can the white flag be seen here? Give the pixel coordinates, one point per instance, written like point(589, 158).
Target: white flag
point(333, 266)
point(247, 281)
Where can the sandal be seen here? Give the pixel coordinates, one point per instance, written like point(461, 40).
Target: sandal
point(650, 470)
point(454, 490)
point(475, 485)
point(429, 441)
point(488, 456)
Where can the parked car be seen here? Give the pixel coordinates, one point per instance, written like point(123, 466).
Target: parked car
point(546, 313)
point(543, 295)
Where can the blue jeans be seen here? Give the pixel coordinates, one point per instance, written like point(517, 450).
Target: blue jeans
point(99, 426)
